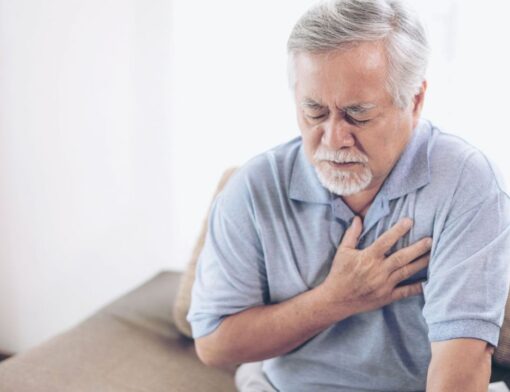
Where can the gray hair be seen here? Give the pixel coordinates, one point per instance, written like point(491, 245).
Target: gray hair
point(338, 24)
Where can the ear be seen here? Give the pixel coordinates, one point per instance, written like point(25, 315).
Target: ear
point(418, 101)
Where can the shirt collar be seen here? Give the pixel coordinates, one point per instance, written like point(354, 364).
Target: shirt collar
point(412, 170)
point(410, 173)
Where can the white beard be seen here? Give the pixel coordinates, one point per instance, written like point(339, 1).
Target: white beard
point(342, 182)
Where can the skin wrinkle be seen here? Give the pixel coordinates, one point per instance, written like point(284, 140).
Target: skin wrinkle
point(347, 79)
point(359, 108)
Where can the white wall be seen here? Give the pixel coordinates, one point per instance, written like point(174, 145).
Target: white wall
point(232, 100)
point(468, 75)
point(85, 187)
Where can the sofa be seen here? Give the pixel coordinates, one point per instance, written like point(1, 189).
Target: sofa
point(141, 343)
point(131, 345)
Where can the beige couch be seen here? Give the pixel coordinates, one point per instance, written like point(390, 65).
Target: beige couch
point(131, 345)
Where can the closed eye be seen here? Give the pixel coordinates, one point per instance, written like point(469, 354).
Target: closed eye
point(353, 121)
point(317, 117)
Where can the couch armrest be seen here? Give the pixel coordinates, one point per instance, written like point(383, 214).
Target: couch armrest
point(129, 345)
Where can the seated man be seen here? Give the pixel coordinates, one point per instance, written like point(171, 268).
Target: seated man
point(372, 252)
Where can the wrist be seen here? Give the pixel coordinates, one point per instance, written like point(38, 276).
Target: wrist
point(333, 307)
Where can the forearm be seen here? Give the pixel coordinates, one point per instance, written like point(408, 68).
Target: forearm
point(359, 281)
point(462, 365)
point(269, 331)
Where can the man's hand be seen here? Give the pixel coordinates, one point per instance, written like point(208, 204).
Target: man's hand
point(359, 281)
point(364, 280)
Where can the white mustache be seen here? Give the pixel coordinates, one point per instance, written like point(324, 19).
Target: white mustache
point(340, 156)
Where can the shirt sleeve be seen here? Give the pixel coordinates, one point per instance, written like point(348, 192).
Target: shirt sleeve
point(468, 281)
point(230, 274)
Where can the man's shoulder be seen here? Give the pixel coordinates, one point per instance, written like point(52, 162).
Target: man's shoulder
point(269, 171)
point(453, 157)
point(448, 152)
point(280, 157)
point(459, 170)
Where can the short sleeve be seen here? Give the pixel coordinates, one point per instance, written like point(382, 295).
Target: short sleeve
point(230, 275)
point(468, 281)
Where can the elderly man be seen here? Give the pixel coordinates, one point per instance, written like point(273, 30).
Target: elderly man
point(369, 254)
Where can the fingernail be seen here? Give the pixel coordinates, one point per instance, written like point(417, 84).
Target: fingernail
point(429, 241)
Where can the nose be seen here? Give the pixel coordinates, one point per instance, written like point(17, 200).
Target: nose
point(337, 134)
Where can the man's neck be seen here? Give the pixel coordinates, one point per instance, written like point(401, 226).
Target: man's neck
point(360, 202)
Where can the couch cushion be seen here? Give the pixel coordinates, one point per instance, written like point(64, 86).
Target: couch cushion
point(502, 353)
point(131, 345)
point(183, 300)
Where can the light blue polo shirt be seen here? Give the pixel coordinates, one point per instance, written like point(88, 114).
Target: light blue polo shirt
point(273, 232)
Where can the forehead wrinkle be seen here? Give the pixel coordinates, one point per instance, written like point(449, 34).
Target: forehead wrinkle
point(358, 108)
point(354, 108)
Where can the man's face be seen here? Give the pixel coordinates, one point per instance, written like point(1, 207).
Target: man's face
point(352, 131)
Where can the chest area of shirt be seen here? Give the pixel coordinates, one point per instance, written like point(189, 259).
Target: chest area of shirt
point(300, 245)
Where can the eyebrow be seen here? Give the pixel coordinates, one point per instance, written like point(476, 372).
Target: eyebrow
point(359, 108)
point(311, 104)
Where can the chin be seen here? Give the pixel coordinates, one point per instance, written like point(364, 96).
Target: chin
point(344, 182)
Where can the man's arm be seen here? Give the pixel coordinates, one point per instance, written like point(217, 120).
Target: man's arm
point(462, 365)
point(268, 331)
point(359, 281)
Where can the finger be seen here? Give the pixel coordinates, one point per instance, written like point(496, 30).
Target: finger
point(405, 255)
point(406, 291)
point(409, 270)
point(389, 238)
point(351, 236)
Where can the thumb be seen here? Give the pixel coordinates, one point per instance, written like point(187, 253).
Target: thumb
point(351, 236)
